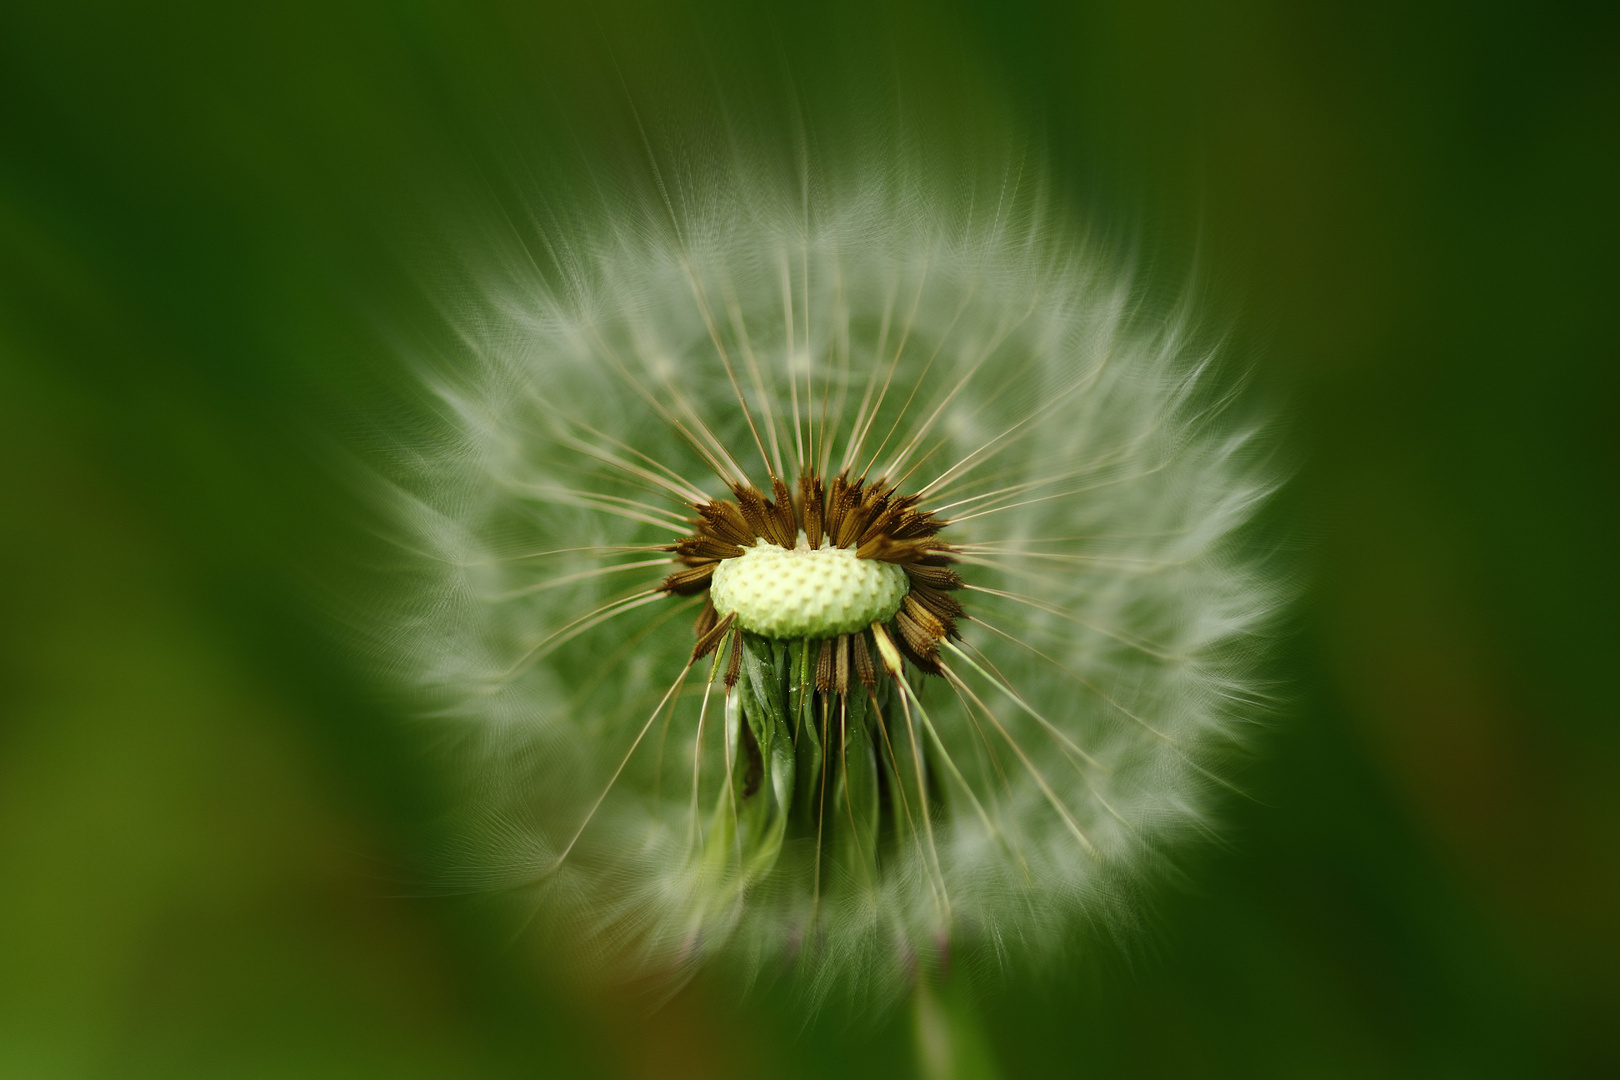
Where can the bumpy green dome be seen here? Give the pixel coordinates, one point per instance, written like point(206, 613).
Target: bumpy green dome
point(804, 592)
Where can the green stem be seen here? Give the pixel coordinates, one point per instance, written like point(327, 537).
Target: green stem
point(949, 1033)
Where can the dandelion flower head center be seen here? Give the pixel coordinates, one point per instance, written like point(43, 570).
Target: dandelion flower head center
point(836, 561)
point(805, 592)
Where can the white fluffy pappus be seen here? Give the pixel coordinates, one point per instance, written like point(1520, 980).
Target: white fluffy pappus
point(619, 364)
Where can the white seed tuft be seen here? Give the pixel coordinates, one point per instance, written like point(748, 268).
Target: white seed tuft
point(649, 349)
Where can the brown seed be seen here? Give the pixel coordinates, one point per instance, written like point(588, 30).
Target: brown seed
point(838, 503)
point(710, 639)
point(916, 645)
point(884, 547)
point(723, 520)
point(810, 496)
point(931, 623)
point(922, 641)
point(824, 666)
point(947, 608)
point(785, 531)
point(734, 665)
point(691, 581)
point(752, 504)
point(936, 577)
point(706, 618)
point(863, 662)
point(704, 548)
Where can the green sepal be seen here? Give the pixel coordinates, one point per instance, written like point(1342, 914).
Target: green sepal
point(807, 740)
point(856, 806)
point(751, 825)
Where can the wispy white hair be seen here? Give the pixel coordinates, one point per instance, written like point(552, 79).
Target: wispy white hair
point(945, 323)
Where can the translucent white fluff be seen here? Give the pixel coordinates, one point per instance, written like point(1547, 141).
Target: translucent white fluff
point(630, 354)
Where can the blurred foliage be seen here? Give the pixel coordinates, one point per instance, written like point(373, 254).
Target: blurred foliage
point(209, 826)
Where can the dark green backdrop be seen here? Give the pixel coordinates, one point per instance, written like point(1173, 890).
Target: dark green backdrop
point(208, 826)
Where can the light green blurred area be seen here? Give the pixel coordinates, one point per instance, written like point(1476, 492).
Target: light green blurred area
point(211, 832)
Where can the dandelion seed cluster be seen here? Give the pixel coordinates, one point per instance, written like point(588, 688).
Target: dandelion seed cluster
point(828, 576)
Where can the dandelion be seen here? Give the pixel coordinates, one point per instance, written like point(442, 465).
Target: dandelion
point(830, 574)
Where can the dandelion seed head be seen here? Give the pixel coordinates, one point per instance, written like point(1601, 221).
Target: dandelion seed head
point(984, 720)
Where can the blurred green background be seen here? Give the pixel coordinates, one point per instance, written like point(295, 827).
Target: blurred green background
point(210, 829)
